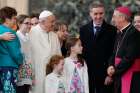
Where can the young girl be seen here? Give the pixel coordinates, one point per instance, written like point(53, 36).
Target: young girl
point(54, 80)
point(75, 69)
point(25, 70)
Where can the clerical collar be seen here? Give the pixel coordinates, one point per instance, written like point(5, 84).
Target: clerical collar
point(125, 27)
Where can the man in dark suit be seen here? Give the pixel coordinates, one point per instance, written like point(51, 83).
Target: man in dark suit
point(97, 38)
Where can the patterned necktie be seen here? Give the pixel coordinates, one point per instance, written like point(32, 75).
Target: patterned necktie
point(98, 28)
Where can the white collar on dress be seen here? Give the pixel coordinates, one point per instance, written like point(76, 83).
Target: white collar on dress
point(22, 36)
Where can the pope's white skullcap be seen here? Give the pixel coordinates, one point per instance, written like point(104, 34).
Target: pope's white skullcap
point(44, 14)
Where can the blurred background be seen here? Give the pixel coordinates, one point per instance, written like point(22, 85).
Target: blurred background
point(74, 12)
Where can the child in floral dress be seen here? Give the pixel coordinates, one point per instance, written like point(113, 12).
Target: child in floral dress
point(75, 69)
point(25, 75)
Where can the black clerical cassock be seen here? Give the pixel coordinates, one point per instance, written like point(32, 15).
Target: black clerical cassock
point(127, 61)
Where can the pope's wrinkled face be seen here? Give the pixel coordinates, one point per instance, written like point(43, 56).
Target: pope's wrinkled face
point(137, 22)
point(49, 23)
point(97, 15)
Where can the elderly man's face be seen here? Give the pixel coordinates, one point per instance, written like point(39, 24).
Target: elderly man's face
point(97, 15)
point(117, 19)
point(137, 22)
point(49, 23)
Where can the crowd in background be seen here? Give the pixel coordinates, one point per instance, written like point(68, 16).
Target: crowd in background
point(38, 55)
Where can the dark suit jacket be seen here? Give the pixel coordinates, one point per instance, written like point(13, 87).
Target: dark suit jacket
point(97, 50)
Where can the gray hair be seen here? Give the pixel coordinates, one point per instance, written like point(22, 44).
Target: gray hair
point(127, 18)
point(95, 4)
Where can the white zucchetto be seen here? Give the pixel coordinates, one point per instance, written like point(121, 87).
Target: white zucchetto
point(44, 14)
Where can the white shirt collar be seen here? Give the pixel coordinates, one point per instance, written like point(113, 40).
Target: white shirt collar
point(96, 25)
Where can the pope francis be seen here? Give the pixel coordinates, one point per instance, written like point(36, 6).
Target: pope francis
point(44, 43)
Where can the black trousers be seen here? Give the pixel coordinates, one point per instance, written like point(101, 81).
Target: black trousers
point(23, 89)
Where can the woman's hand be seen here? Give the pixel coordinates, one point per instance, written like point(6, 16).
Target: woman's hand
point(7, 36)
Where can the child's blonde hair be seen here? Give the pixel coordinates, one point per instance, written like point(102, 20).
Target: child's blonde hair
point(54, 60)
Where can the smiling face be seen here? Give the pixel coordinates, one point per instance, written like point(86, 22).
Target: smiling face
point(137, 22)
point(62, 32)
point(97, 15)
point(26, 25)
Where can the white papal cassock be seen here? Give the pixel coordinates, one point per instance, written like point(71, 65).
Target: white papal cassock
point(43, 46)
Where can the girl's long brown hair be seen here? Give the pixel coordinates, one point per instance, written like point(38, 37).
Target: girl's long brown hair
point(70, 43)
point(54, 60)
